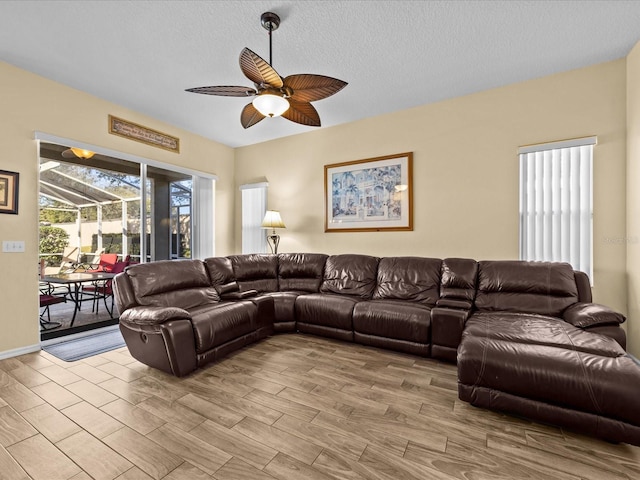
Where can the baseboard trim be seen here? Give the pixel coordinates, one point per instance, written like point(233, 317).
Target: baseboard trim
point(16, 352)
point(19, 351)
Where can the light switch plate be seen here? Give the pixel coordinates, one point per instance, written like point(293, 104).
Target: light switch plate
point(13, 246)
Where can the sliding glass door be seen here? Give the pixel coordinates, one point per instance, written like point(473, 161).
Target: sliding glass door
point(136, 210)
point(168, 212)
point(94, 205)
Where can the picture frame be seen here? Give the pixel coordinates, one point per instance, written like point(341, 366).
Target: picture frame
point(9, 191)
point(370, 195)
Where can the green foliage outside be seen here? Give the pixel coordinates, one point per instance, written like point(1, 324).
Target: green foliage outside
point(111, 211)
point(57, 216)
point(53, 240)
point(112, 243)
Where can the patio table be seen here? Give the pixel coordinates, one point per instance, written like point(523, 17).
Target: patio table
point(73, 282)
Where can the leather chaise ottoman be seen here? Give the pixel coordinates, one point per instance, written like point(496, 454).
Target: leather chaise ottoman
point(552, 372)
point(529, 349)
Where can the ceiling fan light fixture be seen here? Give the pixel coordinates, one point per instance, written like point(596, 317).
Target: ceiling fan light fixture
point(290, 97)
point(270, 104)
point(82, 153)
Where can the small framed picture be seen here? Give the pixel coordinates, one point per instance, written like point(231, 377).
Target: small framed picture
point(8, 191)
point(374, 194)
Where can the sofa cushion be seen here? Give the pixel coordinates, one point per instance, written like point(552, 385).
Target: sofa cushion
point(458, 279)
point(533, 329)
point(256, 272)
point(284, 304)
point(394, 319)
point(221, 274)
point(172, 283)
point(550, 362)
point(350, 275)
point(214, 325)
point(328, 310)
point(300, 271)
point(415, 279)
point(528, 287)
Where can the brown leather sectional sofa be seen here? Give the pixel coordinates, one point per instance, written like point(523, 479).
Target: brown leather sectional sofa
point(526, 336)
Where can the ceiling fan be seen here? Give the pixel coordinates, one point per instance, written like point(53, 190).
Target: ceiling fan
point(274, 95)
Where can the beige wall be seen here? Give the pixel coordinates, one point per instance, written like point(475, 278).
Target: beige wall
point(465, 174)
point(632, 238)
point(31, 103)
point(465, 171)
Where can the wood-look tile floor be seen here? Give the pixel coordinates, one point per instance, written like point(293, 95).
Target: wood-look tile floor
point(290, 407)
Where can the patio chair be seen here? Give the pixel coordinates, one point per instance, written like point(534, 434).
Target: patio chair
point(47, 298)
point(69, 262)
point(90, 260)
point(105, 263)
point(104, 289)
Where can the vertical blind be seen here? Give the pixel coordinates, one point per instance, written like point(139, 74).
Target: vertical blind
point(254, 206)
point(202, 222)
point(556, 203)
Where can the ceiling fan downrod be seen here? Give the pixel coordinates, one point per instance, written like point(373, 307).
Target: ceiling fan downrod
point(270, 21)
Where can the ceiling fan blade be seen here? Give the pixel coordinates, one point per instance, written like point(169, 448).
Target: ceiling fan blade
point(309, 88)
point(258, 70)
point(250, 116)
point(303, 113)
point(224, 91)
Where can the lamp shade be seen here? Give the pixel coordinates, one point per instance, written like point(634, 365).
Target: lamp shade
point(271, 105)
point(82, 153)
point(272, 220)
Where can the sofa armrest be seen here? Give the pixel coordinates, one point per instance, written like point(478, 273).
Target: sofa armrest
point(455, 303)
point(227, 288)
point(584, 315)
point(169, 346)
point(239, 295)
point(447, 325)
point(141, 315)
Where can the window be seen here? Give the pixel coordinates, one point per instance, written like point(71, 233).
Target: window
point(254, 206)
point(126, 204)
point(556, 202)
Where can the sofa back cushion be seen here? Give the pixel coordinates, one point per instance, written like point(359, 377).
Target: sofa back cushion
point(221, 274)
point(256, 272)
point(172, 283)
point(415, 279)
point(350, 274)
point(300, 271)
point(529, 287)
point(459, 278)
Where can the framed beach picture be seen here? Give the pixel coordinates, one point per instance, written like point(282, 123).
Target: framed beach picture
point(8, 192)
point(371, 195)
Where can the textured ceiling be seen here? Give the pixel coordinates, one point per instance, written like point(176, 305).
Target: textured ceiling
point(394, 54)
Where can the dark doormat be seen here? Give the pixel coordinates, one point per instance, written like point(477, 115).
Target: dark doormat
point(79, 348)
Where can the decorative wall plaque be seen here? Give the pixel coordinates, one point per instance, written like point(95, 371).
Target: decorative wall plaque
point(133, 131)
